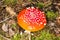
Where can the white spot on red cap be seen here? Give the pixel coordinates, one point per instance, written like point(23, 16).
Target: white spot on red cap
point(42, 12)
point(43, 17)
point(41, 22)
point(44, 23)
point(32, 7)
point(28, 8)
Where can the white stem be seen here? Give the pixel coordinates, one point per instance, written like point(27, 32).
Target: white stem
point(21, 35)
point(29, 36)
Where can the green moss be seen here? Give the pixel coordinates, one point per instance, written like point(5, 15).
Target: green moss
point(45, 35)
point(16, 37)
point(13, 25)
point(1, 38)
point(51, 15)
point(12, 2)
point(40, 5)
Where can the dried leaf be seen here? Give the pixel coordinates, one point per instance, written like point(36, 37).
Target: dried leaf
point(11, 32)
point(10, 11)
point(5, 27)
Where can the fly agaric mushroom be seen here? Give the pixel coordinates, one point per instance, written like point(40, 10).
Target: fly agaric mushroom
point(31, 19)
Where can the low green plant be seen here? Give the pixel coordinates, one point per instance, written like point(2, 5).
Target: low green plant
point(45, 35)
point(14, 25)
point(51, 15)
point(40, 5)
point(12, 2)
point(1, 38)
point(59, 38)
point(16, 37)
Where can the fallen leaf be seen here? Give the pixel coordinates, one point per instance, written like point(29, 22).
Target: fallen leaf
point(5, 27)
point(10, 11)
point(11, 32)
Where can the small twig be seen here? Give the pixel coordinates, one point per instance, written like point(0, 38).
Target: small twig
point(58, 4)
point(5, 37)
point(46, 4)
point(5, 19)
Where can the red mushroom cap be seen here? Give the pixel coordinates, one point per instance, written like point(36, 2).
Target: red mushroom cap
point(31, 19)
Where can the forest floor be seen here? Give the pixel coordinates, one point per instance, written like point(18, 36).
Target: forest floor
point(10, 30)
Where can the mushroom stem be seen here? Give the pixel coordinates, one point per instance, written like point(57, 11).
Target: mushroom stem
point(29, 35)
point(21, 35)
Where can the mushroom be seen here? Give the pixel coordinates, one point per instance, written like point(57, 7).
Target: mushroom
point(31, 19)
